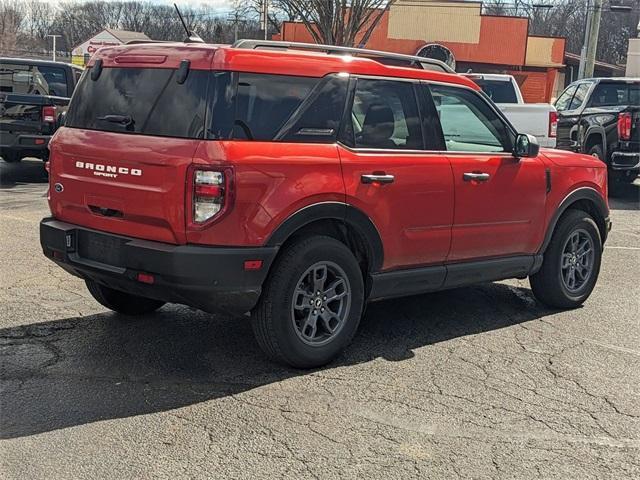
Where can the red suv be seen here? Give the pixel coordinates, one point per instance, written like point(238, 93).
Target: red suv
point(300, 182)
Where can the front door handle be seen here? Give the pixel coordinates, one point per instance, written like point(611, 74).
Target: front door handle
point(475, 177)
point(377, 178)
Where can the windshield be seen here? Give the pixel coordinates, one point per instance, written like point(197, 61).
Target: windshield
point(499, 91)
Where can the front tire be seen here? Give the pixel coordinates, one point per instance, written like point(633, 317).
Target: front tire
point(571, 263)
point(311, 305)
point(122, 302)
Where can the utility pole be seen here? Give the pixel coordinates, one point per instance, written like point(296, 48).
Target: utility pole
point(588, 52)
point(54, 45)
point(265, 18)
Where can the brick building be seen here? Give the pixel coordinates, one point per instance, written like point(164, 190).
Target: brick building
point(482, 43)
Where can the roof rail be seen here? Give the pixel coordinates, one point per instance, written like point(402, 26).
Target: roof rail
point(388, 58)
point(136, 42)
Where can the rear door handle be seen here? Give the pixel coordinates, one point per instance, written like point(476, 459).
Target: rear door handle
point(377, 178)
point(475, 176)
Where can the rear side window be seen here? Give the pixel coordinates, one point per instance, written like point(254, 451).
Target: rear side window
point(611, 94)
point(145, 101)
point(498, 91)
point(384, 114)
point(33, 80)
point(262, 107)
point(265, 102)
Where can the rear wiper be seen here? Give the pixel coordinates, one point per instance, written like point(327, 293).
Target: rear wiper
point(124, 120)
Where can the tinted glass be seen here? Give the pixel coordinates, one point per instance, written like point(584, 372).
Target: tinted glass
point(265, 102)
point(318, 118)
point(610, 94)
point(498, 91)
point(33, 80)
point(141, 100)
point(384, 114)
point(563, 101)
point(468, 123)
point(579, 96)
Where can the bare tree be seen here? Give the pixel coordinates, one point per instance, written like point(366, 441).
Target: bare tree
point(339, 22)
point(567, 18)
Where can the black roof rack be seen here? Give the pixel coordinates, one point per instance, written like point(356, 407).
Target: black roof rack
point(387, 58)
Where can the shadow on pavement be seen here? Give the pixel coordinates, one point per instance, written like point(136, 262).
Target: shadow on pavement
point(625, 197)
point(25, 171)
point(76, 371)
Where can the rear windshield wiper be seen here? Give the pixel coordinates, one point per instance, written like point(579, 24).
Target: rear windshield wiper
point(124, 120)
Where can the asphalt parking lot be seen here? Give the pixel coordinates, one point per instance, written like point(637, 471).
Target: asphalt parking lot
point(479, 382)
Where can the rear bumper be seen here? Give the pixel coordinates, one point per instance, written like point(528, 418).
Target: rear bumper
point(25, 144)
point(212, 279)
point(625, 160)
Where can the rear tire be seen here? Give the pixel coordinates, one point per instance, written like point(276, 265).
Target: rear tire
point(571, 262)
point(596, 151)
point(296, 322)
point(122, 302)
point(11, 157)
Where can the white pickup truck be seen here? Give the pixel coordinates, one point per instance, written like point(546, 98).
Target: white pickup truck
point(538, 119)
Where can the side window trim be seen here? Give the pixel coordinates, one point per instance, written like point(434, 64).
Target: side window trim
point(429, 114)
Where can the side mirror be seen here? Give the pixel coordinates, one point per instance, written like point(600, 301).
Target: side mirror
point(526, 146)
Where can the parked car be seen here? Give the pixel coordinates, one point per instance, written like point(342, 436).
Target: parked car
point(34, 94)
point(298, 186)
point(601, 117)
point(538, 119)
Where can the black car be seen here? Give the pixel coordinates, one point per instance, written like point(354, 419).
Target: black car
point(34, 94)
point(601, 117)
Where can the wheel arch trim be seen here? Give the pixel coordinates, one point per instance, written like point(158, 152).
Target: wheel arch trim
point(583, 193)
point(596, 130)
point(342, 212)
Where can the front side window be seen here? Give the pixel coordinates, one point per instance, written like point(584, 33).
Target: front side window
point(468, 123)
point(384, 114)
point(564, 100)
point(580, 95)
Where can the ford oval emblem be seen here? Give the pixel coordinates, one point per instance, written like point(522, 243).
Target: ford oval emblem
point(58, 187)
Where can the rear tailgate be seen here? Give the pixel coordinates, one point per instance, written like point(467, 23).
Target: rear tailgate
point(132, 185)
point(22, 114)
point(120, 162)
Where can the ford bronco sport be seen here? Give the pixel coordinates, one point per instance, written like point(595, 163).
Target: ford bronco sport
point(299, 182)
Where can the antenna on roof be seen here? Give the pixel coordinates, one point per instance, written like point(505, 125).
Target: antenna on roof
point(192, 37)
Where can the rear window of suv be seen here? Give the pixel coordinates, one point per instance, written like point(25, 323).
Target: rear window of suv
point(33, 79)
point(146, 101)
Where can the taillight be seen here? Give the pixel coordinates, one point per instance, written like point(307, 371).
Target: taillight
point(624, 126)
point(49, 114)
point(553, 124)
point(210, 193)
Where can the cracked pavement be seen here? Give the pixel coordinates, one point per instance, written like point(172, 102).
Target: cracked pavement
point(480, 382)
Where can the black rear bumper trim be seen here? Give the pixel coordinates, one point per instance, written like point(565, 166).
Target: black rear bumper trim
point(212, 279)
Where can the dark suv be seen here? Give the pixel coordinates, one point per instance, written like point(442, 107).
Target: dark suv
point(298, 182)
